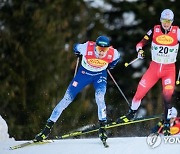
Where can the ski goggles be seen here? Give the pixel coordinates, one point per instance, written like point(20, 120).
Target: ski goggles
point(102, 49)
point(166, 21)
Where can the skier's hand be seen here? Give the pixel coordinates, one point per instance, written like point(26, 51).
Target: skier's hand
point(77, 53)
point(141, 54)
point(110, 67)
point(160, 123)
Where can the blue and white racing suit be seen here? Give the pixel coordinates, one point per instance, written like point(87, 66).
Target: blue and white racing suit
point(92, 71)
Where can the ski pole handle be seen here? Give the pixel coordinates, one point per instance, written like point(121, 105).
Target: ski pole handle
point(127, 64)
point(177, 81)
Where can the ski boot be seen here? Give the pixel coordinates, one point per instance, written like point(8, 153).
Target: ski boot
point(166, 128)
point(45, 132)
point(126, 118)
point(102, 131)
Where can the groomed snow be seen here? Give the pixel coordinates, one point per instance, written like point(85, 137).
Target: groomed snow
point(124, 145)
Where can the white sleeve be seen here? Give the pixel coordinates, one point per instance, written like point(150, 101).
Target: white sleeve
point(82, 48)
point(116, 54)
point(178, 35)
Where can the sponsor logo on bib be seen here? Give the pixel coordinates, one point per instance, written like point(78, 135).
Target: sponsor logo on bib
point(96, 62)
point(164, 39)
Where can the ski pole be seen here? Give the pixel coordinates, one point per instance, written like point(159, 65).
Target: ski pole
point(177, 81)
point(159, 130)
point(118, 87)
point(77, 63)
point(127, 64)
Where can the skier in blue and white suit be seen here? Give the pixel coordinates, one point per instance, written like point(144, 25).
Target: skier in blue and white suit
point(96, 58)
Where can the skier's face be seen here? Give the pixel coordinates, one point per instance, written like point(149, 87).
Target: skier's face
point(102, 51)
point(166, 24)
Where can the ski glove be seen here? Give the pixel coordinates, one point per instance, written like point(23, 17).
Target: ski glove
point(140, 54)
point(113, 64)
point(77, 53)
point(110, 67)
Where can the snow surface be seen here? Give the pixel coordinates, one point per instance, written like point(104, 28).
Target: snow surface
point(3, 130)
point(124, 145)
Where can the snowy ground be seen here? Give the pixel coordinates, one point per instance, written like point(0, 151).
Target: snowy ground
point(125, 145)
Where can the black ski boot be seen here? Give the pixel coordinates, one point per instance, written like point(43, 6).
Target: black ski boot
point(126, 118)
point(166, 128)
point(102, 131)
point(45, 132)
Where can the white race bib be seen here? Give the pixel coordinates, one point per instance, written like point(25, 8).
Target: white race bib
point(164, 54)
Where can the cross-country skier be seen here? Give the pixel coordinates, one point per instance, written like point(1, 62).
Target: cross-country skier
point(164, 48)
point(174, 124)
point(96, 58)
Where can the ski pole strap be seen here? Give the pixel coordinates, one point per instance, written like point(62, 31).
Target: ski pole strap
point(95, 128)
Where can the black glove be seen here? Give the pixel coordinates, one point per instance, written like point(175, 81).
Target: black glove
point(77, 53)
point(110, 67)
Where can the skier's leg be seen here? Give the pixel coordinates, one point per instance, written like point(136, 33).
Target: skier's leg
point(100, 83)
point(64, 103)
point(73, 89)
point(168, 84)
point(100, 90)
point(146, 83)
point(76, 85)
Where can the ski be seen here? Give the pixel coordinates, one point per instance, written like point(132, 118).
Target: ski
point(95, 128)
point(87, 130)
point(29, 143)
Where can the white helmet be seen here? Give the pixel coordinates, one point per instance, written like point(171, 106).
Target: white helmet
point(173, 112)
point(167, 14)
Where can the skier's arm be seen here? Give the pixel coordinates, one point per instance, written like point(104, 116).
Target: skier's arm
point(145, 40)
point(116, 59)
point(142, 43)
point(80, 49)
point(178, 35)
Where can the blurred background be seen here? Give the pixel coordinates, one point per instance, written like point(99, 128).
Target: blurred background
point(37, 61)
